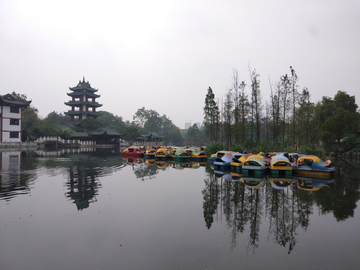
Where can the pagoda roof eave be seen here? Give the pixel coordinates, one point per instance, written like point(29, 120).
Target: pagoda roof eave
point(79, 103)
point(79, 94)
point(82, 113)
point(82, 85)
point(82, 88)
point(9, 99)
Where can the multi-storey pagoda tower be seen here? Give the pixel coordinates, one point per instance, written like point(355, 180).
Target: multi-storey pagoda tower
point(83, 103)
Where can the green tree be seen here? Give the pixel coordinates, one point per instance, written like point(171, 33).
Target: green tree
point(341, 118)
point(149, 120)
point(305, 113)
point(30, 124)
point(112, 121)
point(154, 122)
point(193, 135)
point(211, 116)
point(56, 118)
point(140, 117)
point(174, 135)
point(90, 124)
point(131, 133)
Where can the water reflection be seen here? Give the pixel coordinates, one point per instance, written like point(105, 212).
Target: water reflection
point(285, 203)
point(14, 180)
point(242, 204)
point(83, 186)
point(84, 168)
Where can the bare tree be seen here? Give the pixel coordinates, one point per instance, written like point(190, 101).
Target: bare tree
point(228, 116)
point(256, 105)
point(294, 100)
point(285, 89)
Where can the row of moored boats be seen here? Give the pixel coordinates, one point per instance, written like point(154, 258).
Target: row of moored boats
point(181, 154)
point(276, 164)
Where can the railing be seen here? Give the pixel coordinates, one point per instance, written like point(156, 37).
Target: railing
point(42, 140)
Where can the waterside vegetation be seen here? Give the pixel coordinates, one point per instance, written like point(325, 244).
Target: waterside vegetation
point(289, 121)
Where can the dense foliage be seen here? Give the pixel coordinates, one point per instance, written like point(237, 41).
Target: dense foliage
point(290, 122)
point(151, 121)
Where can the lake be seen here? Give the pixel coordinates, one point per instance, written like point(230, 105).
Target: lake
point(97, 210)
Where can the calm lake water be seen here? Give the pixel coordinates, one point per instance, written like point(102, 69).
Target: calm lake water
point(96, 210)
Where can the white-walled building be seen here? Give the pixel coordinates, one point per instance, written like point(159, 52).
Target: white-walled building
point(11, 118)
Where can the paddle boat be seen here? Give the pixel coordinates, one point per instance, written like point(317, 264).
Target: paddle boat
point(280, 166)
point(223, 163)
point(254, 165)
point(150, 153)
point(270, 155)
point(291, 157)
point(133, 151)
point(161, 153)
point(312, 166)
point(196, 154)
point(179, 154)
point(218, 154)
point(238, 161)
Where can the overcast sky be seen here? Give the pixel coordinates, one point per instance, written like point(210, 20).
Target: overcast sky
point(163, 55)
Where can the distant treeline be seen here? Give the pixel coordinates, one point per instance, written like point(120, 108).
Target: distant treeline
point(289, 120)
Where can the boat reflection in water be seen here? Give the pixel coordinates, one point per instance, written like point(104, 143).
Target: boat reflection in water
point(281, 183)
point(162, 164)
point(311, 184)
point(254, 182)
point(133, 160)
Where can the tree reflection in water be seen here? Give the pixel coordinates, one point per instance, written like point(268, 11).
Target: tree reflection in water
point(286, 203)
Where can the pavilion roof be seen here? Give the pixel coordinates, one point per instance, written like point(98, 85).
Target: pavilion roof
point(101, 131)
point(83, 85)
point(10, 100)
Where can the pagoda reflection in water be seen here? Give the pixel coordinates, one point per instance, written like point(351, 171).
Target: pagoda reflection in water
point(83, 186)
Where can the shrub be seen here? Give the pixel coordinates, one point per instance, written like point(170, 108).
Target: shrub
point(213, 147)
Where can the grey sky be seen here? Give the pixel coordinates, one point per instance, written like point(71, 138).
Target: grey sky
point(163, 55)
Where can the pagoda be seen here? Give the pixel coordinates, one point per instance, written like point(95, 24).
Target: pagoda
point(83, 103)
